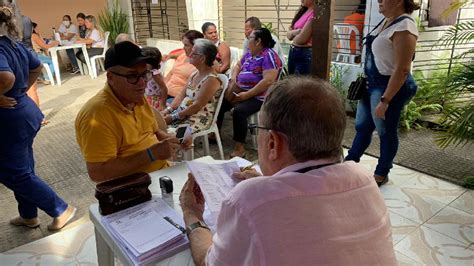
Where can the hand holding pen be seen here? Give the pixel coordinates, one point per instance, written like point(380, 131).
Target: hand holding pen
point(246, 172)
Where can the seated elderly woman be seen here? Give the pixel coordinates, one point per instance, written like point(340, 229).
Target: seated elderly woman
point(196, 104)
point(252, 76)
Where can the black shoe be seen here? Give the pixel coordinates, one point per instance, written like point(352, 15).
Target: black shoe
point(383, 182)
point(75, 70)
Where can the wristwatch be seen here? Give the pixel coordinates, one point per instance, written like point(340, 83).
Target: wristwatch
point(384, 100)
point(198, 224)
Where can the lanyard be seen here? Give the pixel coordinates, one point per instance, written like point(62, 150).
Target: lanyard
point(309, 168)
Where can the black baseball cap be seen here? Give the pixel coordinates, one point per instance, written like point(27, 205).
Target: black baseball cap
point(126, 54)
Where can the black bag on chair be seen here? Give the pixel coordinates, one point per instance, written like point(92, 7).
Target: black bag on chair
point(357, 89)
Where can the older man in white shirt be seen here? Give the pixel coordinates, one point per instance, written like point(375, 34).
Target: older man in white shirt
point(253, 23)
point(308, 208)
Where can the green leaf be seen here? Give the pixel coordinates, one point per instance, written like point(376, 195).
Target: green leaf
point(113, 20)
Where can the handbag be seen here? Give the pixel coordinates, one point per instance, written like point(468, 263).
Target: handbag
point(357, 89)
point(123, 192)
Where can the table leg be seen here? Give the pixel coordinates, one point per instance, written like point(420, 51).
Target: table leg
point(54, 57)
point(105, 255)
point(88, 61)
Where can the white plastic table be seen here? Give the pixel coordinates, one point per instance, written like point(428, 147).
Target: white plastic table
point(54, 56)
point(107, 248)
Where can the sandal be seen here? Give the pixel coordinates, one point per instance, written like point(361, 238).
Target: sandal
point(382, 182)
point(20, 221)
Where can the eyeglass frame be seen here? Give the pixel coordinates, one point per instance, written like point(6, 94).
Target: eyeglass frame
point(146, 76)
point(253, 128)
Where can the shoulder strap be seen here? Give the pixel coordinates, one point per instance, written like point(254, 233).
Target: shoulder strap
point(391, 24)
point(204, 79)
point(398, 20)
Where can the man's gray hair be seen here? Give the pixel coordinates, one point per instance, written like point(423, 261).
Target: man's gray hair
point(310, 113)
point(254, 23)
point(206, 48)
point(122, 37)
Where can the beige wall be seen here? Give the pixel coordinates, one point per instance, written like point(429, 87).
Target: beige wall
point(49, 13)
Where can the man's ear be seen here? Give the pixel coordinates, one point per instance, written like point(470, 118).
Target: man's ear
point(275, 144)
point(109, 76)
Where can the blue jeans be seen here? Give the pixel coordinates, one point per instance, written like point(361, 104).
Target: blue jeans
point(366, 122)
point(46, 60)
point(72, 57)
point(299, 60)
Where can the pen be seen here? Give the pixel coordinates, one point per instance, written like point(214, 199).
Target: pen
point(248, 167)
point(173, 223)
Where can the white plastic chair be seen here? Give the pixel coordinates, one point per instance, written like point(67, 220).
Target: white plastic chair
point(47, 71)
point(101, 57)
point(253, 119)
point(235, 55)
point(213, 128)
point(342, 36)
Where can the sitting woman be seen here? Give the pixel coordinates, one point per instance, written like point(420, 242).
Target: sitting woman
point(41, 49)
point(156, 90)
point(177, 78)
point(94, 40)
point(196, 105)
point(222, 64)
point(250, 79)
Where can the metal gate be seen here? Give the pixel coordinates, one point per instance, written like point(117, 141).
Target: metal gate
point(163, 19)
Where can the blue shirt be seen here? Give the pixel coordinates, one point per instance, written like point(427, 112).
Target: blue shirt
point(15, 58)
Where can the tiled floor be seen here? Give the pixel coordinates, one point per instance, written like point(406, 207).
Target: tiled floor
point(432, 224)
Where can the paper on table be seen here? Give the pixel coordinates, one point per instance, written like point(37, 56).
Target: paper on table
point(143, 227)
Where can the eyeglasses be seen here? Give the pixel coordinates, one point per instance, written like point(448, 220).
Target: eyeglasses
point(253, 128)
point(135, 78)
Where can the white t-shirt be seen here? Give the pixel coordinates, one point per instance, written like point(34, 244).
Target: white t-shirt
point(382, 46)
point(72, 29)
point(98, 40)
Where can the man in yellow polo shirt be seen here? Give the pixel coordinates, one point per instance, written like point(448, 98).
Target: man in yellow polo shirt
point(116, 129)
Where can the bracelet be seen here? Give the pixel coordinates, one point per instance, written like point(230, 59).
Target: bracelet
point(175, 116)
point(169, 109)
point(150, 155)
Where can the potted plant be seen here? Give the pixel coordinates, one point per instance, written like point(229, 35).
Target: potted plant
point(113, 20)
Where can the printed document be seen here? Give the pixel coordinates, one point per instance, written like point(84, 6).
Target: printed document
point(143, 230)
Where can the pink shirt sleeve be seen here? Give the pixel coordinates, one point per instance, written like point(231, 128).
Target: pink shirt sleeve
point(234, 240)
point(299, 24)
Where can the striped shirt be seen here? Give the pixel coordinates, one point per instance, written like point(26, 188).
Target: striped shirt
point(252, 67)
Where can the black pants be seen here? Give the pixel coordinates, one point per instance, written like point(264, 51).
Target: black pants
point(242, 111)
point(91, 52)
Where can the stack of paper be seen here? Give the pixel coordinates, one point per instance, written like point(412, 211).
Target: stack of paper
point(148, 232)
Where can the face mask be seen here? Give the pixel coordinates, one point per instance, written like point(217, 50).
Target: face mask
point(66, 23)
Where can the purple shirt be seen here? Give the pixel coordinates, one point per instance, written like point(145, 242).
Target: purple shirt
point(251, 71)
point(333, 215)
